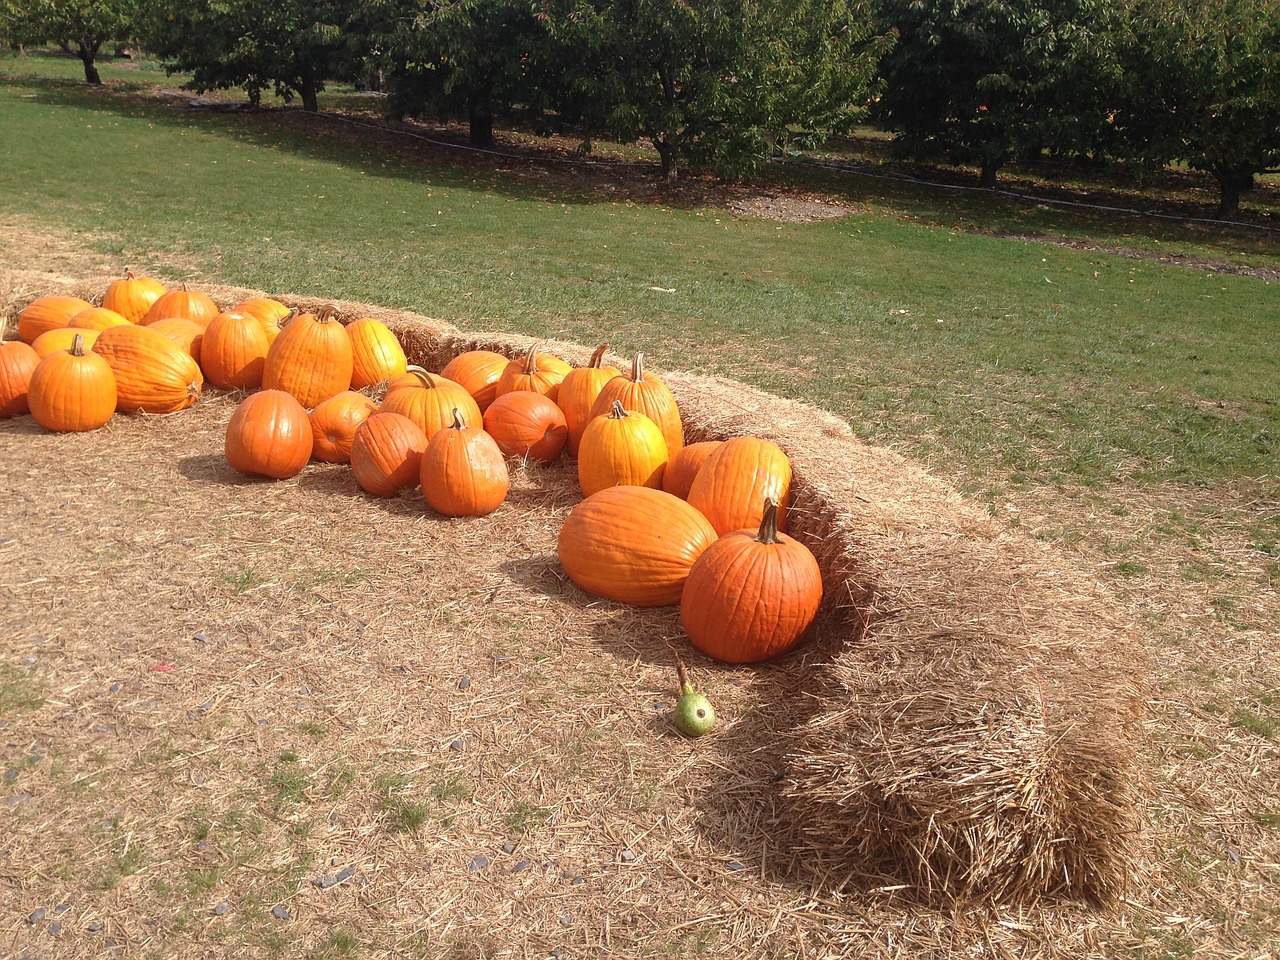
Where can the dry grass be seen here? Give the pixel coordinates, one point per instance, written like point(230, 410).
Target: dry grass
point(313, 721)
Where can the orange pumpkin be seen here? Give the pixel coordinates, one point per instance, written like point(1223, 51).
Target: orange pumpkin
point(311, 358)
point(578, 392)
point(535, 372)
point(633, 544)
point(182, 302)
point(429, 400)
point(187, 334)
point(72, 390)
point(386, 454)
point(60, 338)
point(334, 423)
point(463, 471)
point(527, 424)
point(376, 354)
point(272, 314)
point(684, 466)
point(153, 374)
point(736, 479)
point(478, 371)
point(48, 313)
point(96, 318)
point(645, 393)
point(131, 296)
point(269, 435)
point(752, 595)
point(621, 448)
point(233, 352)
point(18, 361)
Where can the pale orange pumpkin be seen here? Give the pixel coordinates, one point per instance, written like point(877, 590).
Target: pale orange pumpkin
point(375, 352)
point(429, 400)
point(311, 358)
point(181, 302)
point(645, 393)
point(271, 313)
point(619, 449)
point(153, 374)
point(534, 372)
point(60, 338)
point(96, 318)
point(131, 296)
point(187, 334)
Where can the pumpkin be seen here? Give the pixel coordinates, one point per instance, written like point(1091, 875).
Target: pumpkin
point(233, 352)
point(269, 435)
point(645, 393)
point(478, 371)
point(429, 400)
point(578, 392)
point(48, 313)
point(187, 334)
point(96, 318)
point(633, 544)
point(752, 595)
point(376, 354)
point(72, 390)
point(131, 296)
point(621, 448)
point(334, 422)
point(386, 454)
point(527, 424)
point(18, 361)
point(153, 374)
point(535, 372)
point(182, 302)
point(311, 358)
point(268, 312)
point(684, 466)
point(463, 472)
point(736, 479)
point(60, 338)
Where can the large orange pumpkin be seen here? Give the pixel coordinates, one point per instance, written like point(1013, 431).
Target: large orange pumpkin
point(269, 435)
point(375, 352)
point(752, 595)
point(311, 358)
point(527, 424)
point(60, 338)
point(429, 400)
point(578, 392)
point(72, 390)
point(153, 374)
point(633, 544)
point(535, 372)
point(684, 466)
point(478, 371)
point(736, 479)
point(18, 361)
point(334, 423)
point(645, 393)
point(623, 447)
point(233, 351)
point(386, 454)
point(463, 471)
point(131, 296)
point(182, 302)
point(48, 313)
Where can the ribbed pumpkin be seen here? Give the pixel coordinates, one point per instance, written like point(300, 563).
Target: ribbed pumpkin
point(131, 296)
point(619, 449)
point(153, 374)
point(268, 312)
point(181, 302)
point(684, 466)
point(334, 423)
point(645, 393)
point(269, 435)
point(578, 392)
point(386, 454)
point(60, 338)
point(429, 400)
point(752, 595)
point(478, 371)
point(18, 361)
point(376, 354)
point(463, 471)
point(535, 372)
point(187, 334)
point(527, 424)
point(311, 358)
point(633, 544)
point(736, 479)
point(233, 352)
point(96, 318)
point(48, 313)
point(72, 390)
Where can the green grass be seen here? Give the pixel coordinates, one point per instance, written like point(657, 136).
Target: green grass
point(19, 690)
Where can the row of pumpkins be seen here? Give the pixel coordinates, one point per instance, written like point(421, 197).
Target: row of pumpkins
point(662, 522)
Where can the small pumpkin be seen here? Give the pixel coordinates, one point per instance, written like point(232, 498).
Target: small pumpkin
point(752, 595)
point(270, 313)
point(621, 448)
point(18, 361)
point(269, 435)
point(311, 359)
point(736, 479)
point(635, 545)
point(527, 424)
point(131, 296)
point(153, 374)
point(376, 354)
point(463, 472)
point(96, 318)
point(645, 393)
point(578, 392)
point(181, 302)
point(48, 313)
point(233, 352)
point(60, 338)
point(684, 466)
point(535, 372)
point(429, 400)
point(478, 371)
point(72, 390)
point(334, 423)
point(386, 454)
point(187, 334)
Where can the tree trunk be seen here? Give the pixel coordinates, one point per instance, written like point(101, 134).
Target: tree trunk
point(987, 179)
point(87, 51)
point(480, 120)
point(310, 95)
point(1231, 184)
point(667, 154)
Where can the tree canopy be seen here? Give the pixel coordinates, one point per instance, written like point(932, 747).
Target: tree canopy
point(79, 27)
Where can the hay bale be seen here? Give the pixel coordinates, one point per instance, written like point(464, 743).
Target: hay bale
point(977, 730)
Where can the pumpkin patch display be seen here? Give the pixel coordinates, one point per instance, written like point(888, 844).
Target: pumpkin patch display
point(645, 393)
point(153, 374)
point(48, 313)
point(534, 372)
point(429, 399)
point(386, 454)
point(311, 359)
point(684, 466)
point(72, 390)
point(376, 354)
point(269, 435)
point(334, 423)
point(478, 371)
point(527, 424)
point(622, 448)
point(463, 472)
point(18, 361)
point(578, 392)
point(736, 479)
point(752, 595)
point(131, 296)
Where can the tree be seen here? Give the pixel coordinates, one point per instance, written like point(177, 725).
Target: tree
point(985, 81)
point(79, 27)
point(720, 83)
point(1202, 85)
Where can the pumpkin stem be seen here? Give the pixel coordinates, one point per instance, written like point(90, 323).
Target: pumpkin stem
point(458, 422)
point(769, 523)
point(637, 368)
point(531, 359)
point(128, 274)
point(288, 318)
point(597, 358)
point(682, 674)
point(428, 381)
point(326, 313)
point(77, 345)
point(618, 411)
